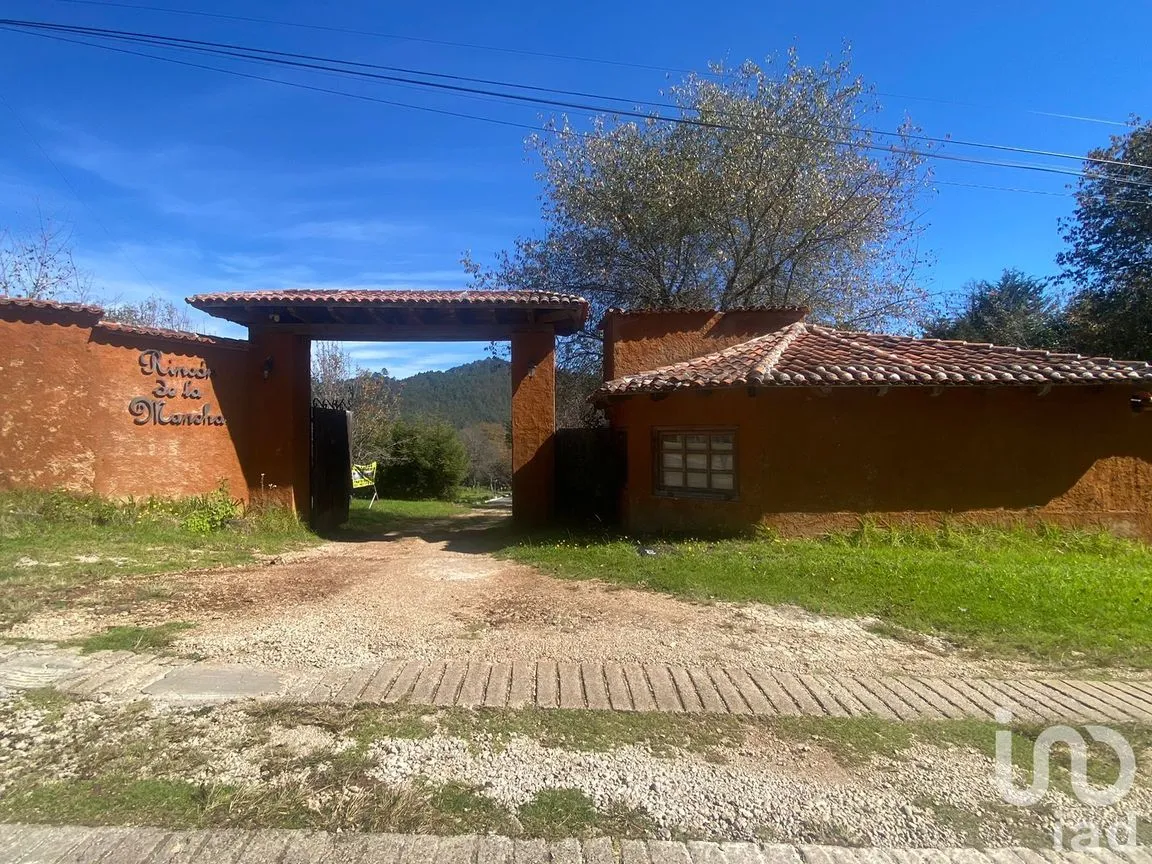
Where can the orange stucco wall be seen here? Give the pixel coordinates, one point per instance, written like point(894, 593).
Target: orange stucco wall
point(639, 341)
point(279, 404)
point(809, 462)
point(66, 383)
point(533, 425)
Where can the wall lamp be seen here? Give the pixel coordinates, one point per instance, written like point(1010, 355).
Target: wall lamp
point(1140, 401)
point(267, 367)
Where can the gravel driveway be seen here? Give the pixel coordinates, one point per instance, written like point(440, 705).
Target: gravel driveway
point(437, 591)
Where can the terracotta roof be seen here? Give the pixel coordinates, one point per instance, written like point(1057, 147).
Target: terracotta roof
point(29, 303)
point(650, 310)
point(411, 315)
point(183, 335)
point(302, 296)
point(810, 355)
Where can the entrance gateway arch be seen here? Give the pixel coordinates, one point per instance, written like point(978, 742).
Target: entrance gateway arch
point(282, 324)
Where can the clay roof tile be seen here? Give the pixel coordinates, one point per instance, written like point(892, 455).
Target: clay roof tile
point(803, 354)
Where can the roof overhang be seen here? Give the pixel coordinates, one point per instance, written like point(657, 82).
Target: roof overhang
point(399, 316)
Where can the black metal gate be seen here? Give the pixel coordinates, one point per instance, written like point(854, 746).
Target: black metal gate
point(591, 467)
point(331, 465)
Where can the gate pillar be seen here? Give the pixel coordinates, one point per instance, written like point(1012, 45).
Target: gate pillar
point(533, 425)
point(279, 389)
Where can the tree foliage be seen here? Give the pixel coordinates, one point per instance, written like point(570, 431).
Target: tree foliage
point(152, 311)
point(370, 397)
point(426, 460)
point(1109, 256)
point(465, 395)
point(1013, 310)
point(489, 455)
point(771, 193)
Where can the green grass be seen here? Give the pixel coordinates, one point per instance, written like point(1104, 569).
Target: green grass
point(475, 496)
point(133, 638)
point(56, 547)
point(555, 814)
point(389, 514)
point(1058, 596)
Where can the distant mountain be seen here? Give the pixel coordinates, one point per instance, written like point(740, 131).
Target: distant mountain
point(477, 392)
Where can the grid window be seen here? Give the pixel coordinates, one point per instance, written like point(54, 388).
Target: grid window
point(696, 462)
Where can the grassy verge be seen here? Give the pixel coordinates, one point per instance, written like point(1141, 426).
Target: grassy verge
point(1055, 595)
point(130, 765)
point(387, 515)
point(55, 547)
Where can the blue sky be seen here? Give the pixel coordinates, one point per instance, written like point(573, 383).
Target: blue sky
point(179, 180)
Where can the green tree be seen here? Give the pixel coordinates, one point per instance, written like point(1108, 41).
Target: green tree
point(772, 193)
point(1014, 310)
point(1108, 261)
point(426, 460)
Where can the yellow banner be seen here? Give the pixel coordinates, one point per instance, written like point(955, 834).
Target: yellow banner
point(363, 475)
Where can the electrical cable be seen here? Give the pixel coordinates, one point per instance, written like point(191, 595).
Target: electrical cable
point(276, 58)
point(222, 48)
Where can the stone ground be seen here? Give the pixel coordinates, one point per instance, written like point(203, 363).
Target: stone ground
point(732, 781)
point(24, 844)
point(430, 617)
point(643, 687)
point(437, 592)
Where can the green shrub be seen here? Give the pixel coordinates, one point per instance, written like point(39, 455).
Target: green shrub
point(204, 514)
point(427, 461)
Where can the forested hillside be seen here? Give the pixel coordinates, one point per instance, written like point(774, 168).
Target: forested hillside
point(481, 392)
point(478, 392)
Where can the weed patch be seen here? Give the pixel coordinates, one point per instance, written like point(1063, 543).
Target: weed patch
point(133, 638)
point(558, 813)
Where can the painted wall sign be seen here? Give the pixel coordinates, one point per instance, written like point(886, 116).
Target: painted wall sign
point(154, 409)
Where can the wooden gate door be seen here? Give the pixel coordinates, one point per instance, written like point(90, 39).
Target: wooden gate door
point(331, 465)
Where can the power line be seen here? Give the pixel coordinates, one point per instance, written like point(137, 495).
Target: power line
point(349, 31)
point(472, 46)
point(279, 58)
point(224, 47)
point(492, 120)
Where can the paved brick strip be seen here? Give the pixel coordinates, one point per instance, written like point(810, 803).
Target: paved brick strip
point(590, 685)
point(25, 844)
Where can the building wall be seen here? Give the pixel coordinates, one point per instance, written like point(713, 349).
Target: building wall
point(640, 341)
point(67, 382)
point(809, 463)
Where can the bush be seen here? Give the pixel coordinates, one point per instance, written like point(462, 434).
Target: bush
point(427, 461)
point(204, 514)
point(27, 510)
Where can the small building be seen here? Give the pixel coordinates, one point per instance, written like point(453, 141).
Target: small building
point(760, 417)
